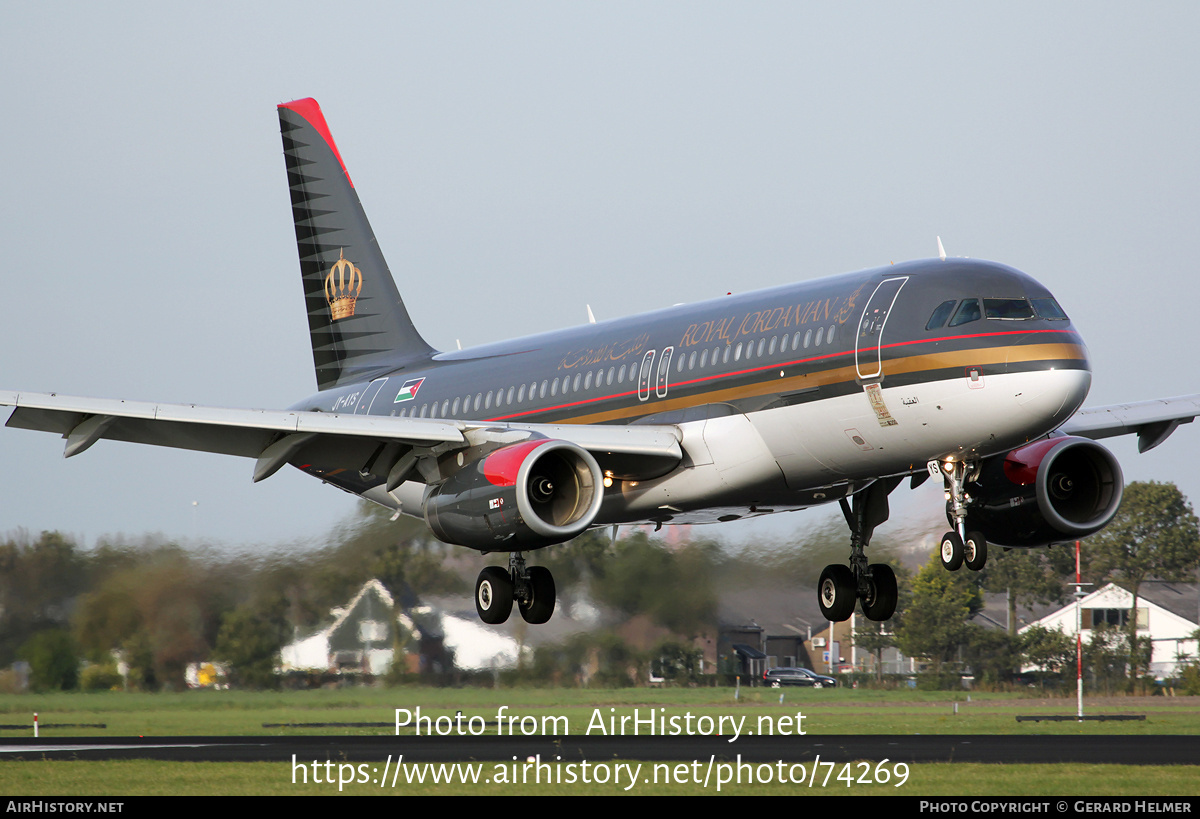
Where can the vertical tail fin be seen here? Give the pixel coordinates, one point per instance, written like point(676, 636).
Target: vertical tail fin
point(357, 321)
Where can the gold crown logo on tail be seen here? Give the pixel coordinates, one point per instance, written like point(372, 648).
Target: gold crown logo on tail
point(342, 287)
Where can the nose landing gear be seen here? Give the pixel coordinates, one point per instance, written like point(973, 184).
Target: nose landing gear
point(959, 546)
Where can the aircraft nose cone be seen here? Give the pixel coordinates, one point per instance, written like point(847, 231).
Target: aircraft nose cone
point(1054, 396)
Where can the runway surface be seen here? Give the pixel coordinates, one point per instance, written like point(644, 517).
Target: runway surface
point(1050, 748)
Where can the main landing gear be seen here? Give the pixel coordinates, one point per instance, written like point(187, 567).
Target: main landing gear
point(959, 546)
point(872, 583)
point(531, 587)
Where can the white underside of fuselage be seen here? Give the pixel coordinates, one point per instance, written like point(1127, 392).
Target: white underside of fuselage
point(807, 454)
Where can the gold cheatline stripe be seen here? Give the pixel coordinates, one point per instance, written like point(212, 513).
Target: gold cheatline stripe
point(980, 356)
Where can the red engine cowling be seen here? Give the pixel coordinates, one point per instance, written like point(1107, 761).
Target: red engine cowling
point(1058, 489)
point(519, 497)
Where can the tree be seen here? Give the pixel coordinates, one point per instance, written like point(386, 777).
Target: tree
point(250, 640)
point(53, 662)
point(674, 587)
point(935, 622)
point(38, 583)
point(1156, 534)
point(1049, 649)
point(162, 612)
point(993, 655)
point(1027, 576)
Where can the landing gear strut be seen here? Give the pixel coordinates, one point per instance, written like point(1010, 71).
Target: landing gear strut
point(872, 583)
point(959, 546)
point(531, 587)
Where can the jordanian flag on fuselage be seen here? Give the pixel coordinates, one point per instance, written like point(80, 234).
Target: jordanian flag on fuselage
point(409, 390)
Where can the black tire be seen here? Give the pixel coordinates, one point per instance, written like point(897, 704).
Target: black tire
point(975, 551)
point(880, 602)
point(541, 604)
point(493, 595)
point(951, 551)
point(837, 593)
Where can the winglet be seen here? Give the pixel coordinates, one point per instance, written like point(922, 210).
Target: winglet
point(941, 250)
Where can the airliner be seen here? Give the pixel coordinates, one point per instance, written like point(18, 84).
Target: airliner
point(828, 391)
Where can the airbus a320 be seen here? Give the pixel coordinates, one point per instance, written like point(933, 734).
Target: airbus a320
point(833, 390)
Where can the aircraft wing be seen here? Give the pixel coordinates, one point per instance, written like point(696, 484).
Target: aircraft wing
point(274, 437)
point(1153, 421)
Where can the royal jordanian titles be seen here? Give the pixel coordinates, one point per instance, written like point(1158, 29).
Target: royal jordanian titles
point(828, 391)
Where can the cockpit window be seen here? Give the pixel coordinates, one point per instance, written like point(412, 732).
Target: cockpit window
point(940, 315)
point(1049, 309)
point(967, 312)
point(1007, 309)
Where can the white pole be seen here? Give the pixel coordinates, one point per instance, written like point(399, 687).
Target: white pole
point(1078, 638)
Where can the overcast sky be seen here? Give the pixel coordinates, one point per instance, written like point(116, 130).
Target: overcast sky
point(519, 161)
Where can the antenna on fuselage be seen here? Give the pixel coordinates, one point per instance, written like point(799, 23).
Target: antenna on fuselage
point(591, 318)
point(941, 250)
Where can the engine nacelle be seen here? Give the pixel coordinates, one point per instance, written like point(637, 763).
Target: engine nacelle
point(519, 497)
point(1049, 491)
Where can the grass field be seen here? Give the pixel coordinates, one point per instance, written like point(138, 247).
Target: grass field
point(826, 712)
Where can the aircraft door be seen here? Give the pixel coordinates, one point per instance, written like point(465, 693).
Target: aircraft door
point(664, 370)
point(868, 343)
point(363, 405)
point(644, 375)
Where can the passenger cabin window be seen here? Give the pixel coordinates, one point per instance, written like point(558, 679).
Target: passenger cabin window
point(1007, 309)
point(967, 312)
point(940, 314)
point(1049, 309)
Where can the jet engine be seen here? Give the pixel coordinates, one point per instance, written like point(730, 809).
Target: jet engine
point(1061, 488)
point(519, 497)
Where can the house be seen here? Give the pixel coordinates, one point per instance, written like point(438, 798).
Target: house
point(360, 639)
point(366, 632)
point(1165, 614)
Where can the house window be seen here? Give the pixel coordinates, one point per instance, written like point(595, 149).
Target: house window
point(1119, 618)
point(372, 631)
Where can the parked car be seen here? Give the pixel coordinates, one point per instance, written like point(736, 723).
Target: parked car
point(797, 676)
